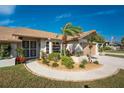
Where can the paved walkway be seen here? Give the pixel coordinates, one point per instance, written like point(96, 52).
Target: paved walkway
point(111, 66)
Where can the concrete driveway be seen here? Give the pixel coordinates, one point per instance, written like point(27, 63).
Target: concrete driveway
point(111, 66)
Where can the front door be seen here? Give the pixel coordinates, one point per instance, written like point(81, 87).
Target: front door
point(30, 48)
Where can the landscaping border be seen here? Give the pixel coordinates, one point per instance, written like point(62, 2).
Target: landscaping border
point(51, 78)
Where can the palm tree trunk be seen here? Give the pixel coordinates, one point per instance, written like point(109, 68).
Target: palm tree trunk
point(64, 44)
point(64, 50)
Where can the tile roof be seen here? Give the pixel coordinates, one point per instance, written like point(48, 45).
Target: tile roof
point(81, 35)
point(6, 34)
point(34, 33)
point(9, 34)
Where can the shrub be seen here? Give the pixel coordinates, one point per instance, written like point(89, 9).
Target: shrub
point(107, 48)
point(67, 61)
point(84, 61)
point(96, 62)
point(82, 65)
point(44, 55)
point(55, 64)
point(20, 52)
point(54, 56)
point(45, 61)
point(19, 60)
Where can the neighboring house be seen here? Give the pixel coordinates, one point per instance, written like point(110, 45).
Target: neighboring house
point(113, 45)
point(35, 41)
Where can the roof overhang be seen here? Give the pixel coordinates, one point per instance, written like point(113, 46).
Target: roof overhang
point(10, 41)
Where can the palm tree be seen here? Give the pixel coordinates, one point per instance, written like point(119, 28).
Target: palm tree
point(69, 30)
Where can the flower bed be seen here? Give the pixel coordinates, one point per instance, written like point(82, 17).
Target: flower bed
point(68, 63)
point(88, 66)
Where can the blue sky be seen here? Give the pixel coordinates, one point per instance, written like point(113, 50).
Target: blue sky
point(106, 20)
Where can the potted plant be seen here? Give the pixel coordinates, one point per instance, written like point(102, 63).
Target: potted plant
point(20, 56)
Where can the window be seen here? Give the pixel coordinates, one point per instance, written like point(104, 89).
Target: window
point(30, 48)
point(25, 44)
point(33, 53)
point(5, 50)
point(33, 44)
point(56, 47)
point(26, 53)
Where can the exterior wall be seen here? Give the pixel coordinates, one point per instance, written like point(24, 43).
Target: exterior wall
point(13, 49)
point(42, 46)
point(84, 47)
point(94, 49)
point(77, 45)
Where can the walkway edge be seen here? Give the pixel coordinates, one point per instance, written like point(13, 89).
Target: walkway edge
point(51, 78)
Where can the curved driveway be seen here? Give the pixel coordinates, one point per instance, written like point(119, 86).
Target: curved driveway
point(111, 66)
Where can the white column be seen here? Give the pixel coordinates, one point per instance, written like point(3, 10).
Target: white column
point(97, 52)
point(50, 47)
point(61, 47)
point(13, 49)
point(42, 47)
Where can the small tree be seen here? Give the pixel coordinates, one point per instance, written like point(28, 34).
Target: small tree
point(20, 52)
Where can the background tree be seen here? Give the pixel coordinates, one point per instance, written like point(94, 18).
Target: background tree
point(94, 38)
point(122, 40)
point(97, 38)
point(69, 30)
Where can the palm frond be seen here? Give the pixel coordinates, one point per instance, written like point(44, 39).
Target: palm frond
point(69, 32)
point(77, 27)
point(68, 25)
point(75, 30)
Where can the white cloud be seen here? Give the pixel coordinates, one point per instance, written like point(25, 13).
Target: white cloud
point(102, 13)
point(7, 9)
point(63, 16)
point(6, 22)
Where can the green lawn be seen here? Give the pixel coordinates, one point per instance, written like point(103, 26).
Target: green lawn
point(18, 76)
point(113, 55)
point(115, 51)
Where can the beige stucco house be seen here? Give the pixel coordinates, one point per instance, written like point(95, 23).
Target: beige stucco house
point(34, 41)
